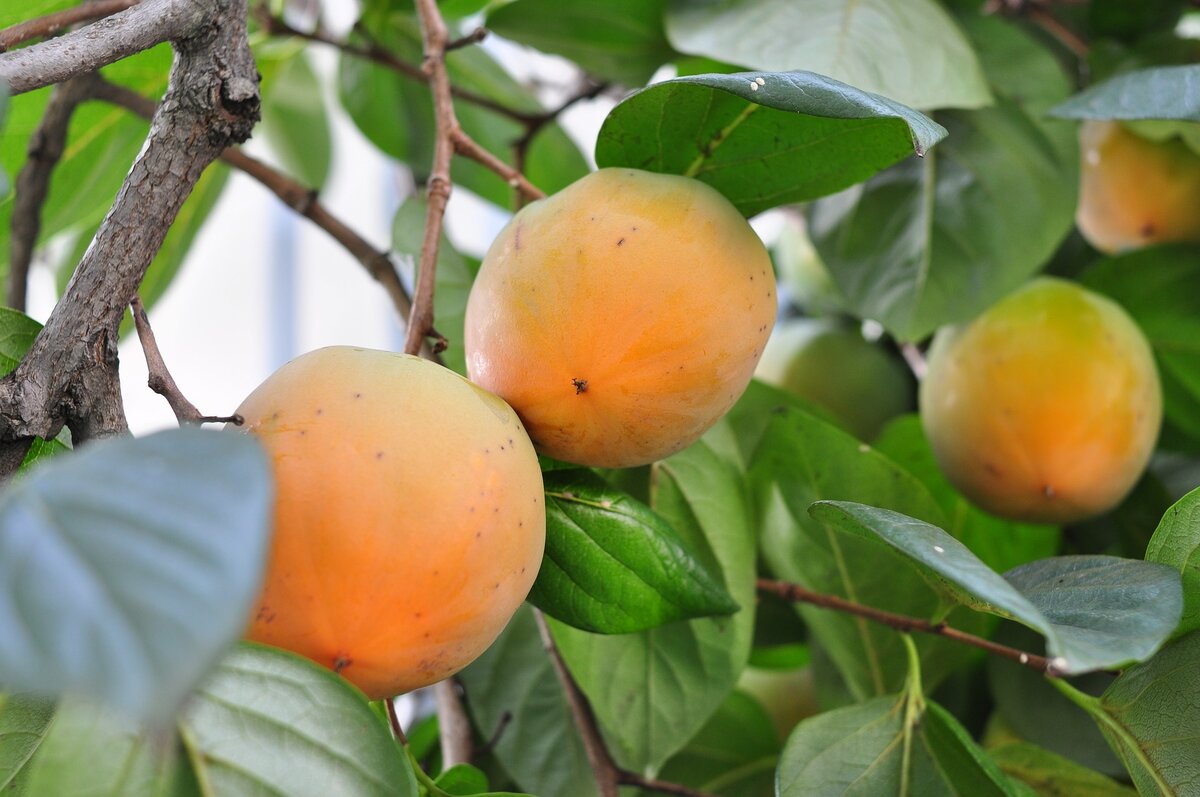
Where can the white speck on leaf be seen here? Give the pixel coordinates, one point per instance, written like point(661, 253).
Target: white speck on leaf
point(753, 86)
point(938, 549)
point(760, 81)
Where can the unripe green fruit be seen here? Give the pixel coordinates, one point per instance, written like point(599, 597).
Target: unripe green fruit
point(1046, 408)
point(833, 366)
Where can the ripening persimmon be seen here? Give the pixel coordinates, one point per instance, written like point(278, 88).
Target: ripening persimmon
point(622, 316)
point(1046, 408)
point(1134, 192)
point(409, 523)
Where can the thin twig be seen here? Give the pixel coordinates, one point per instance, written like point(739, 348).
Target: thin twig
point(915, 359)
point(474, 37)
point(454, 727)
point(467, 147)
point(900, 622)
point(160, 379)
point(1036, 12)
point(46, 147)
point(394, 721)
point(51, 24)
point(497, 733)
point(605, 770)
point(627, 778)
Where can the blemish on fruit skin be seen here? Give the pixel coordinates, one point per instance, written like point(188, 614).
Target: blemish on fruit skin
point(620, 241)
point(358, 395)
point(581, 385)
point(320, 411)
point(378, 455)
point(342, 662)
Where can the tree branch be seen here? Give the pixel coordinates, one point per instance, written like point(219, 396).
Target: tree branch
point(52, 23)
point(70, 373)
point(454, 727)
point(296, 196)
point(900, 622)
point(121, 35)
point(33, 181)
point(160, 379)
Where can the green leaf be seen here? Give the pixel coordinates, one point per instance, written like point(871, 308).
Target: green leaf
point(396, 113)
point(1096, 612)
point(452, 283)
point(794, 136)
point(613, 566)
point(462, 779)
point(888, 745)
point(540, 746)
point(652, 691)
point(802, 460)
point(940, 240)
point(1001, 544)
point(1168, 92)
point(909, 50)
point(618, 39)
point(23, 723)
point(1176, 542)
point(295, 122)
point(1157, 286)
point(1051, 775)
point(733, 755)
point(1151, 717)
point(129, 567)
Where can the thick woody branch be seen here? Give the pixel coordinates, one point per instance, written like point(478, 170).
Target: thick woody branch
point(160, 379)
point(458, 745)
point(53, 23)
point(900, 622)
point(113, 38)
point(33, 181)
point(70, 373)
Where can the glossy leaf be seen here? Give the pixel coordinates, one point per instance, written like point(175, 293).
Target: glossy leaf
point(613, 566)
point(1001, 544)
point(909, 50)
point(23, 723)
point(1158, 286)
point(622, 40)
point(1167, 92)
point(452, 283)
point(653, 690)
point(802, 460)
point(887, 745)
point(1051, 775)
point(1096, 612)
point(937, 241)
point(295, 122)
point(1176, 542)
point(540, 746)
point(794, 136)
point(129, 567)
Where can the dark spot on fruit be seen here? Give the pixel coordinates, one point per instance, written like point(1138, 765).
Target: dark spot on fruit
point(358, 395)
point(342, 662)
point(378, 455)
point(1147, 230)
point(1048, 491)
point(427, 635)
point(417, 615)
point(320, 411)
point(992, 469)
point(581, 385)
point(478, 535)
point(620, 241)
point(303, 432)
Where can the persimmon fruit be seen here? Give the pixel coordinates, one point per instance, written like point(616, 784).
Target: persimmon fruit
point(832, 365)
point(409, 521)
point(622, 316)
point(1046, 407)
point(1134, 192)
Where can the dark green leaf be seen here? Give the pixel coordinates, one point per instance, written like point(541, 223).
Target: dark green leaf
point(618, 39)
point(462, 779)
point(613, 566)
point(909, 50)
point(889, 745)
point(1176, 542)
point(294, 120)
point(793, 136)
point(937, 241)
point(802, 460)
point(1051, 775)
point(1096, 612)
point(452, 283)
point(23, 723)
point(1169, 92)
point(129, 567)
point(654, 690)
point(540, 746)
point(1001, 544)
point(733, 755)
point(1160, 288)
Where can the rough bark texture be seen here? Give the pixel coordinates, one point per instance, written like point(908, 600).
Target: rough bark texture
point(69, 375)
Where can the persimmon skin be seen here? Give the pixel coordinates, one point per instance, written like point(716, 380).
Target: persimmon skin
point(1047, 407)
point(622, 316)
point(409, 523)
point(1134, 192)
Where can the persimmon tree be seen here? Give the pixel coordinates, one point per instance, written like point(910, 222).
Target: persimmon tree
point(781, 607)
